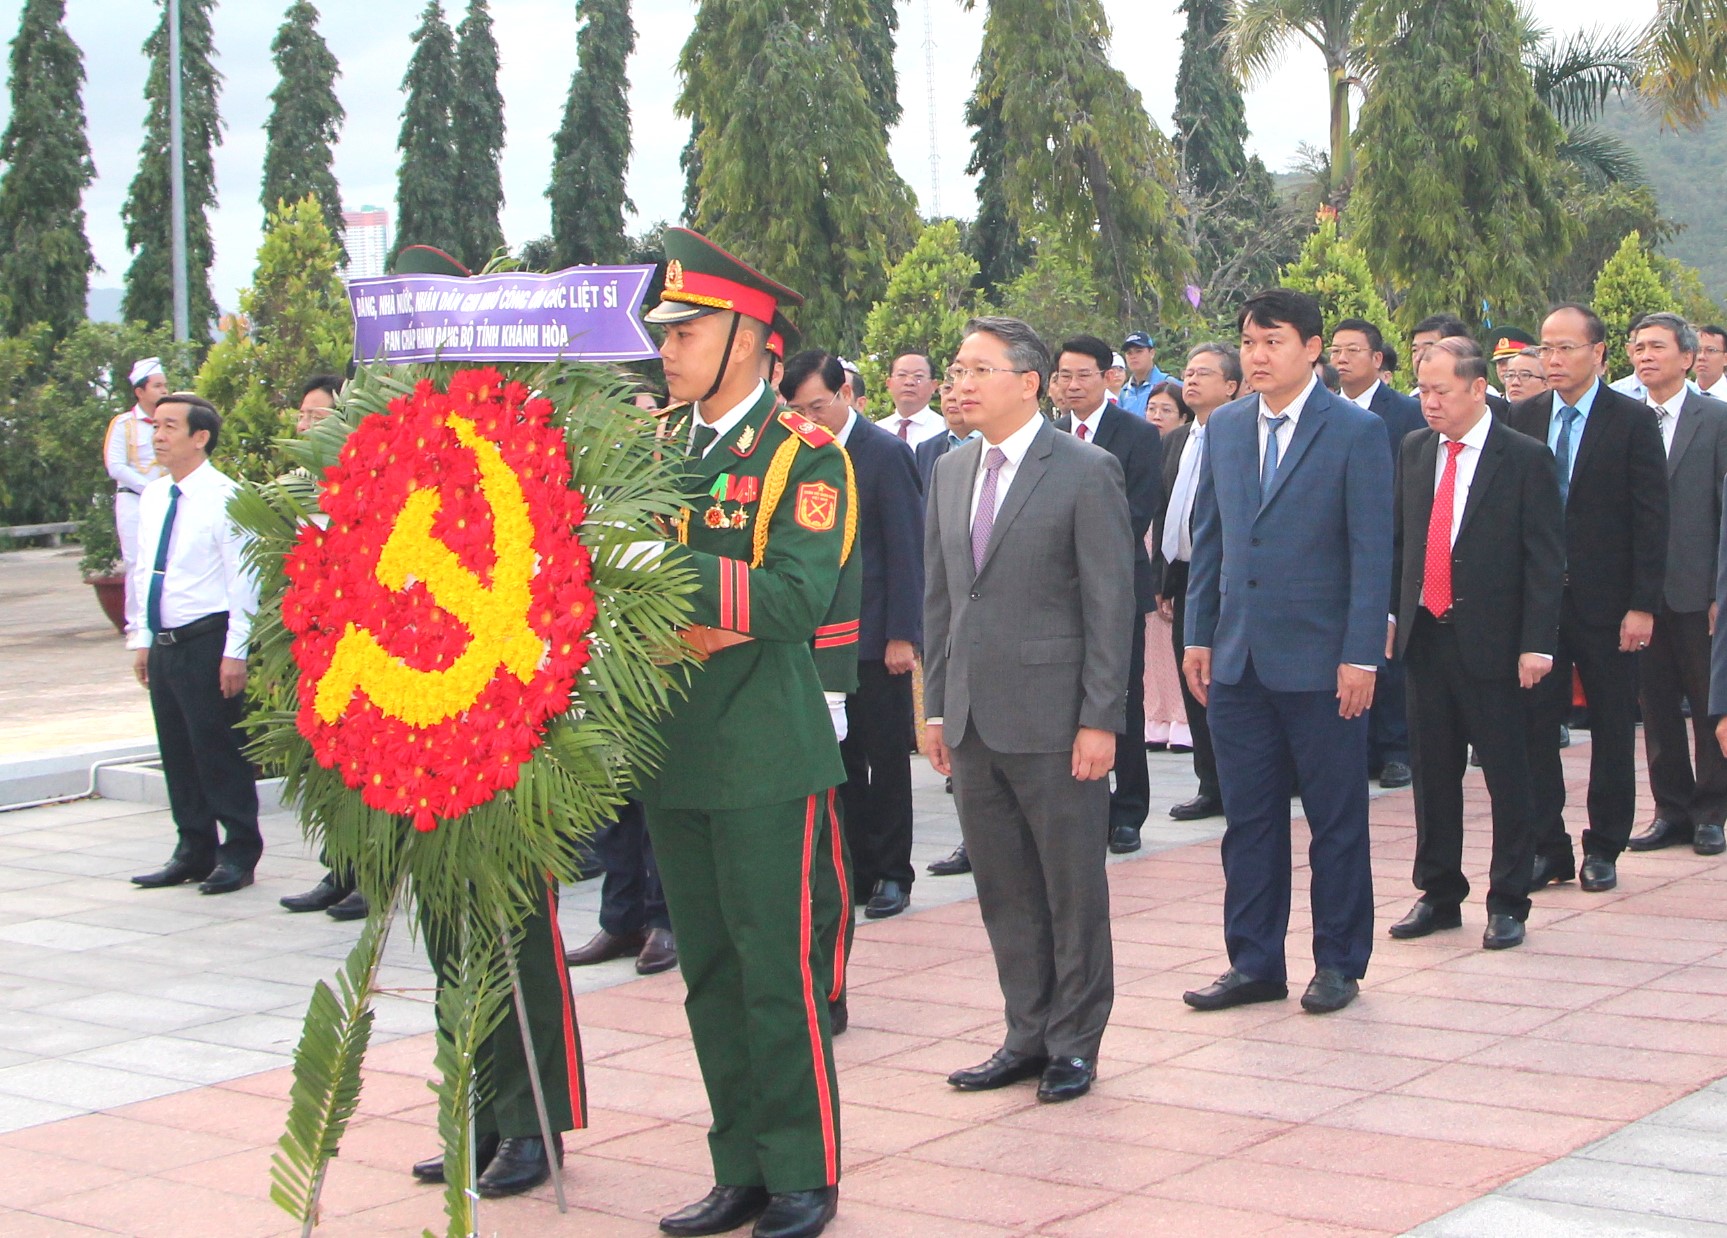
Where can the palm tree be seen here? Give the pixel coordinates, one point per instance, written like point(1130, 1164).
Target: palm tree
point(1258, 33)
point(1683, 58)
point(1575, 75)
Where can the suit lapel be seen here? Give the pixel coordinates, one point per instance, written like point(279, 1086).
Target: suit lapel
point(1426, 462)
point(955, 498)
point(1492, 452)
point(1685, 431)
point(1030, 472)
point(1593, 427)
point(1106, 426)
point(1307, 428)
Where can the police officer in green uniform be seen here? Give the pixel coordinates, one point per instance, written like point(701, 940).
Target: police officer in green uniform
point(739, 807)
point(512, 1155)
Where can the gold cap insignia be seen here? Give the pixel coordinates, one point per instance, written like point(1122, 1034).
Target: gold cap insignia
point(674, 276)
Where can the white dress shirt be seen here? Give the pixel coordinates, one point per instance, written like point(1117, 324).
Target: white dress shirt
point(925, 423)
point(1178, 523)
point(1014, 447)
point(1089, 422)
point(1719, 390)
point(205, 574)
point(1285, 432)
point(728, 420)
point(130, 452)
point(1633, 386)
point(1365, 399)
point(1667, 416)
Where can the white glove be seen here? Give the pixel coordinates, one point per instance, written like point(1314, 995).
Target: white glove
point(837, 712)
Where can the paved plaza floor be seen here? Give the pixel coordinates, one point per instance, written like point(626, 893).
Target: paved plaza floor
point(1564, 1088)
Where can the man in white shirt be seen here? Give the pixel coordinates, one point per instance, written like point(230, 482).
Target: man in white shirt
point(1711, 370)
point(911, 381)
point(1480, 558)
point(189, 609)
point(129, 455)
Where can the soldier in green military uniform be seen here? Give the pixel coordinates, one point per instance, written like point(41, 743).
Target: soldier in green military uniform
point(738, 810)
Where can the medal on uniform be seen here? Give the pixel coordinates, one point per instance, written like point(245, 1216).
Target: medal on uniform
point(729, 488)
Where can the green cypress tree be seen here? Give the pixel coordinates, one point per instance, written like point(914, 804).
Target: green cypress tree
point(794, 171)
point(995, 241)
point(591, 151)
point(150, 282)
point(426, 177)
point(45, 258)
point(876, 37)
point(1629, 285)
point(928, 298)
point(1335, 273)
point(1210, 117)
point(1457, 199)
point(305, 118)
point(1082, 153)
point(477, 115)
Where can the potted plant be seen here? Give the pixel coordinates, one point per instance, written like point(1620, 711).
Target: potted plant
point(101, 562)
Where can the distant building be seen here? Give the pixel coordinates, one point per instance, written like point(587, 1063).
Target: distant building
point(366, 236)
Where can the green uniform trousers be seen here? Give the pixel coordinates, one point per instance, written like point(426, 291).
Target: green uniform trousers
point(741, 885)
point(832, 897)
point(507, 1109)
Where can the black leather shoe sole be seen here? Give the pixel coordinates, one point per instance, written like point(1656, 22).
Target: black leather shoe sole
point(1709, 840)
point(225, 883)
point(174, 874)
point(1597, 876)
point(951, 866)
point(1066, 1079)
point(1328, 996)
point(1424, 919)
point(1123, 840)
point(1503, 932)
point(1662, 834)
point(1197, 810)
point(319, 898)
point(1245, 991)
point(882, 908)
point(798, 1214)
point(354, 907)
point(992, 1075)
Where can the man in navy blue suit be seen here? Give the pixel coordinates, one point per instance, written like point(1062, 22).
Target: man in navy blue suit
point(1358, 352)
point(1287, 624)
point(937, 446)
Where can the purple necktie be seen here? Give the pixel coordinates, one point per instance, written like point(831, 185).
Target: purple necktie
point(983, 524)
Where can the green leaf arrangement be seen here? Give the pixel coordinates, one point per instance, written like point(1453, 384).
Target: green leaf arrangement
point(476, 877)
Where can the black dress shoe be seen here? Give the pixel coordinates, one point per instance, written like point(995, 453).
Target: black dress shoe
point(838, 1016)
point(1123, 839)
point(225, 879)
point(955, 864)
point(889, 898)
point(431, 1170)
point(798, 1214)
point(175, 872)
point(1598, 874)
point(1565, 737)
point(1502, 933)
point(1003, 1068)
point(1425, 918)
point(659, 953)
point(1709, 840)
point(520, 1165)
point(603, 947)
point(1234, 988)
point(1549, 871)
point(1198, 808)
point(948, 786)
point(1661, 833)
point(724, 1208)
point(1066, 1078)
point(1328, 992)
point(1395, 774)
point(327, 893)
point(354, 907)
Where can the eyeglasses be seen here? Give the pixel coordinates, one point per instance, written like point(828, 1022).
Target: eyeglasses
point(1560, 350)
point(816, 406)
point(1075, 376)
point(1188, 376)
point(1711, 350)
point(909, 376)
point(1349, 350)
point(963, 373)
point(1523, 376)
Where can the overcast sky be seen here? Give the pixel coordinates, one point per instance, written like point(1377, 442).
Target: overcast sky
point(537, 40)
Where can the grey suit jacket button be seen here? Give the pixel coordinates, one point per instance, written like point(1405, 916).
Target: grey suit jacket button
point(1253, 584)
point(974, 597)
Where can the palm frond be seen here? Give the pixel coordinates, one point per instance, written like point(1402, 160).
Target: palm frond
point(471, 1003)
point(1602, 157)
point(1576, 73)
point(1683, 59)
point(1257, 36)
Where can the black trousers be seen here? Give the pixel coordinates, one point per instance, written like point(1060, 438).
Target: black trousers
point(198, 731)
point(1609, 678)
point(1204, 757)
point(876, 794)
point(1388, 719)
point(631, 900)
point(1130, 800)
point(1673, 671)
point(1449, 709)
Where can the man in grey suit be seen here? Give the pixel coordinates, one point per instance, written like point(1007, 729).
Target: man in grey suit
point(1690, 803)
point(1028, 602)
point(1286, 612)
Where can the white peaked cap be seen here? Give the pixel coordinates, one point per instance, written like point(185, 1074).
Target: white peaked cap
point(145, 369)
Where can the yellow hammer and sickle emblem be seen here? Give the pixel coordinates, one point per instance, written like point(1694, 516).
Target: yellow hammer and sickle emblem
point(496, 616)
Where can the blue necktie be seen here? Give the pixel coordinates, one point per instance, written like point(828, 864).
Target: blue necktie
point(153, 607)
point(1562, 451)
point(1268, 469)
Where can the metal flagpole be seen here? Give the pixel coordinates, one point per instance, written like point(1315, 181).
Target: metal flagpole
point(177, 178)
point(533, 1064)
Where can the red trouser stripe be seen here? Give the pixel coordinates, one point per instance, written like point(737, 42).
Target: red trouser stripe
point(572, 1037)
point(837, 841)
point(818, 1058)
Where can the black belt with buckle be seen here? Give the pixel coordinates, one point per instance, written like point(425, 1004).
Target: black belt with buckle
point(198, 627)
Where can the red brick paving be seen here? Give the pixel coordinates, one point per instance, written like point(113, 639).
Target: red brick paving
point(1456, 1071)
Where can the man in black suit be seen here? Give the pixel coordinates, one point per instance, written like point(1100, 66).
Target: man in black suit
point(877, 744)
point(1358, 352)
point(1435, 327)
point(1674, 671)
point(1613, 482)
point(1211, 379)
point(1093, 417)
point(937, 446)
point(1479, 566)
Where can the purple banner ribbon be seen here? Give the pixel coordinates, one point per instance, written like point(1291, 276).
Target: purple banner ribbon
point(578, 314)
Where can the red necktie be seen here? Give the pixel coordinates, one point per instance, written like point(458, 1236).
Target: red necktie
point(904, 428)
point(1080, 430)
point(1436, 581)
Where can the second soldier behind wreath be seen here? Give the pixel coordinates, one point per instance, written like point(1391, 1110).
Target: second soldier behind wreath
point(738, 806)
